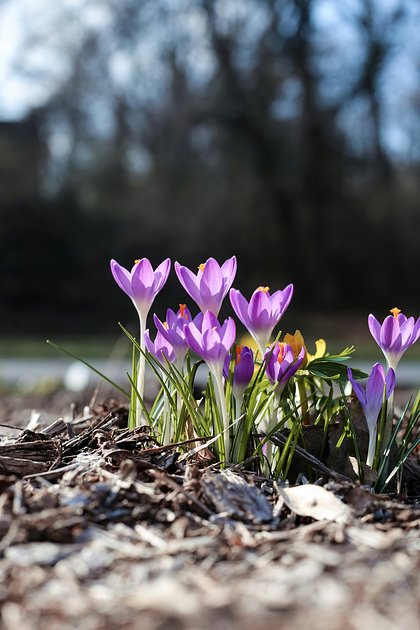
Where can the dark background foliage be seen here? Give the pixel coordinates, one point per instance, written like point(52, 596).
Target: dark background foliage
point(282, 132)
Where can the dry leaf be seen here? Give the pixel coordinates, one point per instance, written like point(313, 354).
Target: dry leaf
point(316, 502)
point(369, 475)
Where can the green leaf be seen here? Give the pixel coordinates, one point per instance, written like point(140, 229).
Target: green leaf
point(332, 370)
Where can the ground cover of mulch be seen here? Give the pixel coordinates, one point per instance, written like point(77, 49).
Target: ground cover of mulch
point(101, 527)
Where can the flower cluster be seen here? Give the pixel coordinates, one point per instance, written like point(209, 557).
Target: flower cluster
point(258, 376)
point(204, 334)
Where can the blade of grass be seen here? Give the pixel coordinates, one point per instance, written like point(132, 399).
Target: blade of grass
point(91, 367)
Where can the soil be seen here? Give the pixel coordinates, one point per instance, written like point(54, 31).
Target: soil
point(102, 527)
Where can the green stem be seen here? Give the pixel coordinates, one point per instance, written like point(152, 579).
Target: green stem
point(389, 419)
point(303, 398)
point(220, 393)
point(140, 374)
point(270, 449)
point(167, 420)
point(262, 350)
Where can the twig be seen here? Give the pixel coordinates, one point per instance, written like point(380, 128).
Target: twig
point(279, 440)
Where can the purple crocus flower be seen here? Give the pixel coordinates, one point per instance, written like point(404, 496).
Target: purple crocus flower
point(161, 349)
point(141, 284)
point(211, 340)
point(209, 286)
point(371, 400)
point(394, 335)
point(281, 364)
point(243, 369)
point(173, 330)
point(262, 313)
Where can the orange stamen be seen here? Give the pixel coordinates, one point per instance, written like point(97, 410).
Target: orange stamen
point(281, 352)
point(263, 289)
point(182, 312)
point(238, 353)
point(395, 311)
point(201, 267)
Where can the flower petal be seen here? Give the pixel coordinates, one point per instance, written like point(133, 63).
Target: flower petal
point(194, 338)
point(189, 282)
point(280, 300)
point(390, 382)
point(259, 312)
point(122, 277)
point(212, 347)
point(375, 386)
point(228, 333)
point(240, 306)
point(228, 272)
point(143, 275)
point(161, 328)
point(390, 337)
point(406, 329)
point(375, 328)
point(211, 287)
point(416, 331)
point(161, 275)
point(357, 388)
point(209, 321)
point(149, 343)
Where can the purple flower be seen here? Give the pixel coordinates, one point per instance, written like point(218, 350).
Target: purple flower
point(173, 330)
point(262, 313)
point(141, 284)
point(210, 285)
point(161, 349)
point(281, 364)
point(371, 400)
point(211, 340)
point(395, 335)
point(243, 369)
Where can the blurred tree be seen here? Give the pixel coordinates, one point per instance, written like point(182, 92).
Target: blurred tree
point(205, 127)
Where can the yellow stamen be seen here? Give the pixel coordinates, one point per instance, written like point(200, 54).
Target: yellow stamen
point(395, 311)
point(136, 262)
point(165, 325)
point(201, 267)
point(263, 289)
point(182, 312)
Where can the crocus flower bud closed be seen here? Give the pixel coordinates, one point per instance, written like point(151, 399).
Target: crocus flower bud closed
point(371, 399)
point(243, 369)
